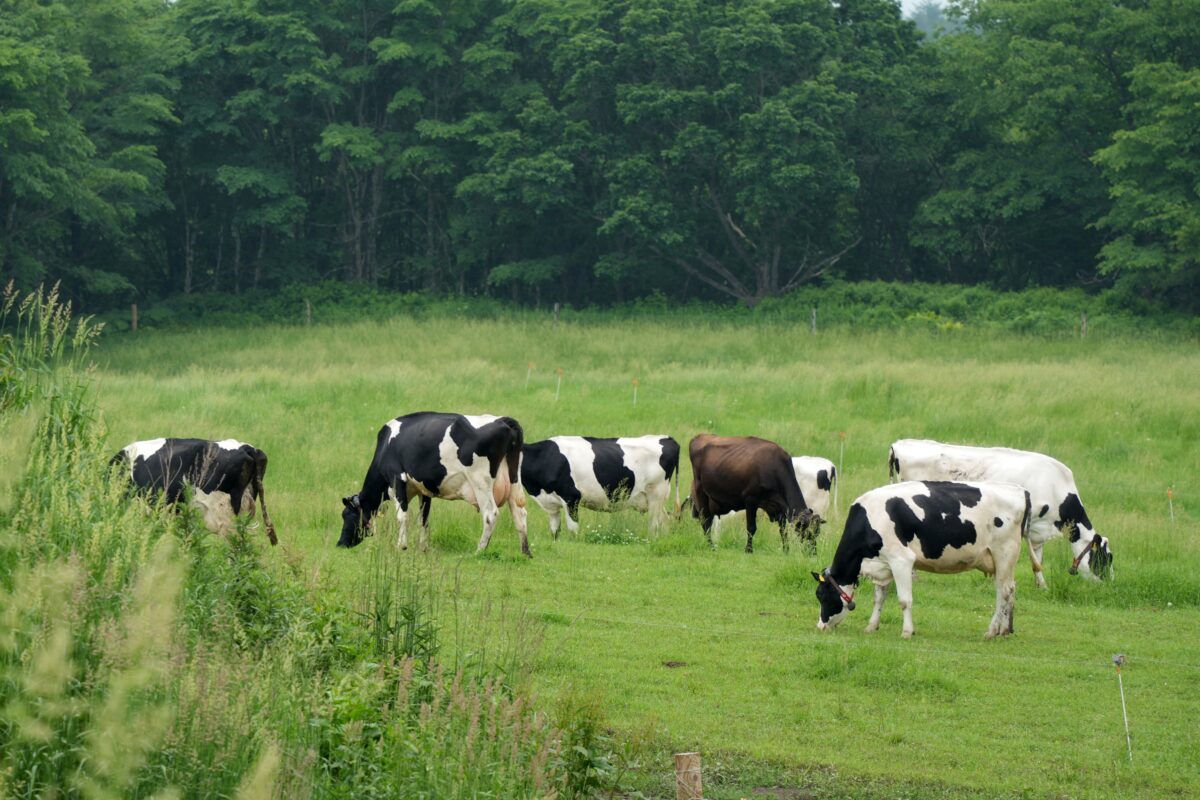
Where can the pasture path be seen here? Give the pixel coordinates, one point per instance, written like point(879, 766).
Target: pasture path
point(945, 714)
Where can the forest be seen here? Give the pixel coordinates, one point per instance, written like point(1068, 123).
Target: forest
point(594, 152)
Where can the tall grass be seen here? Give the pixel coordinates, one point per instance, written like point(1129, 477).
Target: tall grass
point(141, 656)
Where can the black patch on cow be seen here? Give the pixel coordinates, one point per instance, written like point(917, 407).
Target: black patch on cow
point(1071, 512)
point(611, 473)
point(669, 460)
point(823, 481)
point(1044, 510)
point(943, 525)
point(999, 523)
point(544, 468)
point(859, 541)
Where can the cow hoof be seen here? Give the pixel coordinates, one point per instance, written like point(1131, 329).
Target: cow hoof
point(871, 628)
point(906, 634)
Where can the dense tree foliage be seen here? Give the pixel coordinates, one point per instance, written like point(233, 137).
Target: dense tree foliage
point(593, 151)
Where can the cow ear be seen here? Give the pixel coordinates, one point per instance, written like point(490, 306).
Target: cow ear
point(818, 577)
point(348, 501)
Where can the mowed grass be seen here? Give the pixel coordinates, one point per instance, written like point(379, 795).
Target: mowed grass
point(764, 696)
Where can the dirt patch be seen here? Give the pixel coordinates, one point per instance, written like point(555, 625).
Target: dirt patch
point(674, 664)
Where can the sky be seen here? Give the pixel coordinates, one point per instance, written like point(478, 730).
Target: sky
point(909, 5)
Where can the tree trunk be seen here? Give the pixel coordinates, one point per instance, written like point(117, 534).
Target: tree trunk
point(216, 279)
point(237, 260)
point(373, 224)
point(258, 258)
point(189, 245)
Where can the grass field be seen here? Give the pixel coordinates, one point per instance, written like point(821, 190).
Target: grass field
point(767, 699)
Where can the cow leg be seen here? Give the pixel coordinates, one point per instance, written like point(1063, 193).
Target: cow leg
point(783, 533)
point(520, 515)
point(401, 497)
point(426, 505)
point(904, 577)
point(488, 510)
point(656, 500)
point(554, 513)
point(573, 517)
point(1035, 560)
point(877, 611)
point(751, 526)
point(1006, 591)
point(1001, 625)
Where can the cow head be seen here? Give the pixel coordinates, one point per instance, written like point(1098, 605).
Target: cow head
point(808, 527)
point(1095, 560)
point(835, 601)
point(354, 522)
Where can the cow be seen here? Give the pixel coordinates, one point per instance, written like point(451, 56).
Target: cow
point(1056, 505)
point(450, 456)
point(745, 473)
point(224, 478)
point(816, 476)
point(566, 472)
point(935, 526)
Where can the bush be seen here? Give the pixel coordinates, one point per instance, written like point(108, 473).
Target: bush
point(141, 656)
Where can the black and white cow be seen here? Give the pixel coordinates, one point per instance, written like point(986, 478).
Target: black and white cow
point(225, 477)
point(566, 472)
point(1056, 505)
point(935, 526)
point(816, 476)
point(451, 456)
point(745, 473)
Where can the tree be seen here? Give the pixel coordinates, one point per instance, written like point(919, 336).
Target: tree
point(1153, 173)
point(731, 164)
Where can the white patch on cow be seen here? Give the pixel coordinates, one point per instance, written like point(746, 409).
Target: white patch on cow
point(394, 427)
point(143, 449)
point(479, 420)
point(230, 444)
point(217, 510)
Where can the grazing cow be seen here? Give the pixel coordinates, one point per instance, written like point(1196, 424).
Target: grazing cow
point(1056, 505)
point(936, 526)
point(745, 473)
point(816, 476)
point(451, 456)
point(565, 472)
point(225, 477)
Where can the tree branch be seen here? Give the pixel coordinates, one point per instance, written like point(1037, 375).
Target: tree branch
point(807, 272)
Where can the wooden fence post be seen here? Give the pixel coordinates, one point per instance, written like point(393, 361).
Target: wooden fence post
point(307, 313)
point(687, 777)
point(133, 317)
point(1083, 325)
point(556, 316)
point(814, 319)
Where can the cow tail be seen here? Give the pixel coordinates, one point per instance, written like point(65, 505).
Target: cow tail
point(678, 505)
point(1027, 519)
point(893, 465)
point(513, 455)
point(260, 470)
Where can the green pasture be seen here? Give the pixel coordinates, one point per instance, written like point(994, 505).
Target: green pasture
point(767, 699)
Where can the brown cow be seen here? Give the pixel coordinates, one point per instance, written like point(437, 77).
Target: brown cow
point(745, 473)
